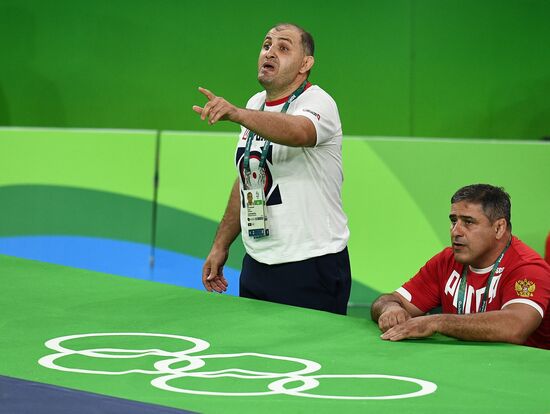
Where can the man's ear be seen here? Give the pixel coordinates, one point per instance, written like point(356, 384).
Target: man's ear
point(500, 227)
point(307, 64)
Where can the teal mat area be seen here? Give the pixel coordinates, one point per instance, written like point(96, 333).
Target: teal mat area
point(213, 353)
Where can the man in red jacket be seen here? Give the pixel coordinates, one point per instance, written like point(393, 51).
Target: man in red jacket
point(490, 285)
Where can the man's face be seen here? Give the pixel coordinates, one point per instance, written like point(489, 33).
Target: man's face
point(473, 236)
point(281, 57)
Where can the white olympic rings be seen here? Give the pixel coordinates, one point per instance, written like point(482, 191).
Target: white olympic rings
point(166, 371)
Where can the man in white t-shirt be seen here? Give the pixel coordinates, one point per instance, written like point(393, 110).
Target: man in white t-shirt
point(289, 156)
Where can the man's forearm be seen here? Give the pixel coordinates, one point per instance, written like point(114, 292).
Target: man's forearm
point(284, 129)
point(230, 225)
point(494, 326)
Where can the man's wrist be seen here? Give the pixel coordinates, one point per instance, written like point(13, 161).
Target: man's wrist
point(239, 116)
point(220, 246)
point(436, 322)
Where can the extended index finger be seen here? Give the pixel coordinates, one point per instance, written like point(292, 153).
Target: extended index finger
point(206, 93)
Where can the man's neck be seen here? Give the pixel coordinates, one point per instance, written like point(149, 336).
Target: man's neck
point(491, 258)
point(279, 93)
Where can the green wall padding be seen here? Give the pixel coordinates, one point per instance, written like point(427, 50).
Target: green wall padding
point(95, 183)
point(30, 210)
point(121, 162)
point(396, 192)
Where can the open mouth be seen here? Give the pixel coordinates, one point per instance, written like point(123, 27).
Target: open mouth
point(268, 66)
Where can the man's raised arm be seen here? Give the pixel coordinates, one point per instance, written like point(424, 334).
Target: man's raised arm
point(284, 129)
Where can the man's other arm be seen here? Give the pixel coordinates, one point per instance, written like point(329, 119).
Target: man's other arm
point(228, 230)
point(392, 309)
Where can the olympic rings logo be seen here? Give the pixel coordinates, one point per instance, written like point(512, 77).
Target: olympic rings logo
point(170, 368)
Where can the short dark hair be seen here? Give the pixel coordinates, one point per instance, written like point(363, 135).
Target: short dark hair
point(308, 45)
point(495, 201)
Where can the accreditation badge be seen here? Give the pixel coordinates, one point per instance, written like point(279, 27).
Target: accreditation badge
point(256, 217)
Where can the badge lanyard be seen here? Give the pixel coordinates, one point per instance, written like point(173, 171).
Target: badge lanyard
point(462, 289)
point(267, 144)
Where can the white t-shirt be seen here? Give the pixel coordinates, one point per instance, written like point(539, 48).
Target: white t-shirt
point(303, 189)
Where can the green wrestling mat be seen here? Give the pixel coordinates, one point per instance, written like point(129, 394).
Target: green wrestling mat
point(210, 353)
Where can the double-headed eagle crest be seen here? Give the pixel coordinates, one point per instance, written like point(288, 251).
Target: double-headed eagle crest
point(525, 288)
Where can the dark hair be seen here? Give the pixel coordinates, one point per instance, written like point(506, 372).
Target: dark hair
point(308, 45)
point(495, 201)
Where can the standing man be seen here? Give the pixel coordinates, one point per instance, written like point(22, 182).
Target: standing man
point(491, 286)
point(289, 156)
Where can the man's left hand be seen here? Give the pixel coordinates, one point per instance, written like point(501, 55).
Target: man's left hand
point(419, 327)
point(216, 109)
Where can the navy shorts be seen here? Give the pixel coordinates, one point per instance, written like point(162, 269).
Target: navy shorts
point(322, 283)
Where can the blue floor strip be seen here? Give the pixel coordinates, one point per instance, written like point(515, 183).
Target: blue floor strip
point(24, 397)
point(115, 257)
